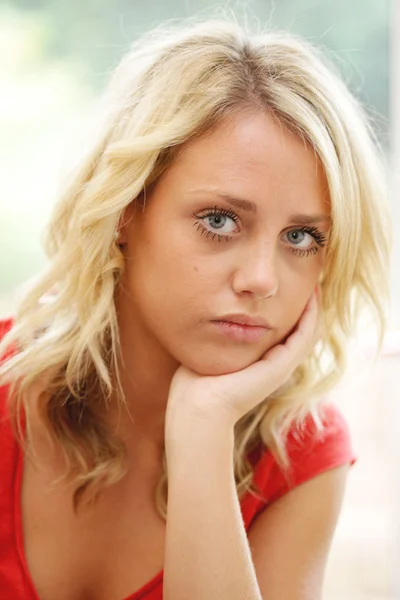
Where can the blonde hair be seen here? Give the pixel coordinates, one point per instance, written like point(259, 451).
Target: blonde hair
point(174, 84)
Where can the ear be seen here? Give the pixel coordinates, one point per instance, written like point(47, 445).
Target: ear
point(123, 223)
point(136, 205)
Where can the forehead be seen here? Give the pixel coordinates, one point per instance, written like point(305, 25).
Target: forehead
point(255, 157)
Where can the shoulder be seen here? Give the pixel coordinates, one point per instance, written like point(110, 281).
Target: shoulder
point(5, 326)
point(313, 448)
point(8, 444)
point(316, 447)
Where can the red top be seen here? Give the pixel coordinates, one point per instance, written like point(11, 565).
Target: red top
point(310, 453)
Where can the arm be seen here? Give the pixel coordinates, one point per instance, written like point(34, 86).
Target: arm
point(290, 541)
point(207, 551)
point(207, 554)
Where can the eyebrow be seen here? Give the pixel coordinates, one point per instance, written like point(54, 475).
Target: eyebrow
point(249, 206)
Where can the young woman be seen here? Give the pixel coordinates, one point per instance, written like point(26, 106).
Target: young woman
point(207, 263)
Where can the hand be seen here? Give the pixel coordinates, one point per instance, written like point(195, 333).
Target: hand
point(232, 395)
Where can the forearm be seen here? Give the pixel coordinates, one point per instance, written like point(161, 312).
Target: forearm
point(207, 553)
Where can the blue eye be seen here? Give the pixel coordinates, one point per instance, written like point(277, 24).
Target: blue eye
point(211, 222)
point(302, 240)
point(299, 238)
point(219, 221)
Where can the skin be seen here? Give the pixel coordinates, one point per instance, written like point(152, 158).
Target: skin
point(177, 280)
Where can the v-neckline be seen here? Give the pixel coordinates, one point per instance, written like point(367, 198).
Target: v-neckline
point(19, 539)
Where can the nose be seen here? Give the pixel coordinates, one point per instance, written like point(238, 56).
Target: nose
point(257, 275)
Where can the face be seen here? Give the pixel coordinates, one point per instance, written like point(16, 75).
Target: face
point(238, 224)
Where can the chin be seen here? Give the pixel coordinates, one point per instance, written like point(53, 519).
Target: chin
point(221, 363)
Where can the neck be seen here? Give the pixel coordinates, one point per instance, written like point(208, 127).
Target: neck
point(145, 370)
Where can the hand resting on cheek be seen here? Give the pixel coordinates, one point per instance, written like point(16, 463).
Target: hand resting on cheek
point(231, 396)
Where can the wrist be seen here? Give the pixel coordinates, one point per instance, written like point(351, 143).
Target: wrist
point(194, 432)
point(183, 412)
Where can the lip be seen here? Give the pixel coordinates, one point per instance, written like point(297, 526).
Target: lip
point(242, 328)
point(241, 333)
point(243, 319)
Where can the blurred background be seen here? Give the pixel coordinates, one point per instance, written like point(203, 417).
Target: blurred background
point(56, 58)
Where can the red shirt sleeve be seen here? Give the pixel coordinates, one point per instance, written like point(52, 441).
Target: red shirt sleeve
point(310, 453)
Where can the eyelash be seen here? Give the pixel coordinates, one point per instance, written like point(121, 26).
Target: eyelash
point(318, 236)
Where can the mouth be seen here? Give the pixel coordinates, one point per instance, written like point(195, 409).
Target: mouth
point(244, 319)
point(241, 332)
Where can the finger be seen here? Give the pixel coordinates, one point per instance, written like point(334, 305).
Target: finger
point(310, 311)
point(306, 327)
point(279, 362)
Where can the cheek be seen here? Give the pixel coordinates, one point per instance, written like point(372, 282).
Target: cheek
point(296, 287)
point(165, 280)
point(301, 274)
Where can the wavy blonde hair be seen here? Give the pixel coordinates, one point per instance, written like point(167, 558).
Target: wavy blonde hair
point(174, 84)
